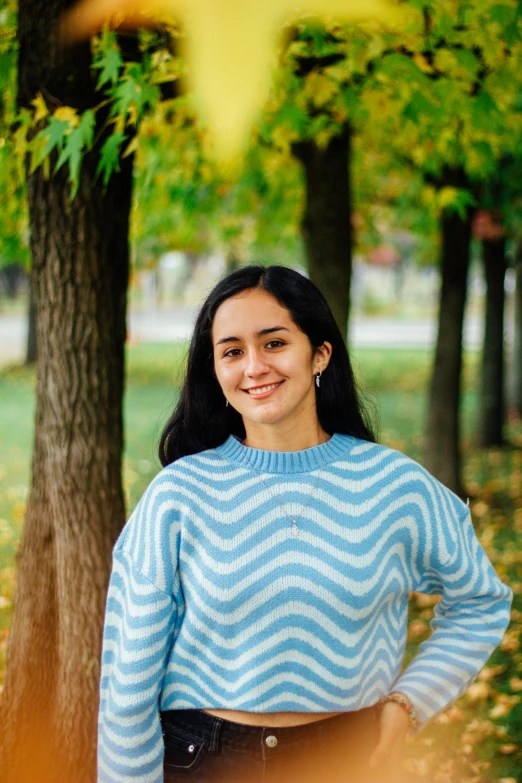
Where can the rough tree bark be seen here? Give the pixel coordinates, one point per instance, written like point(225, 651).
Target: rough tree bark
point(75, 509)
point(326, 227)
point(492, 403)
point(31, 351)
point(442, 454)
point(516, 357)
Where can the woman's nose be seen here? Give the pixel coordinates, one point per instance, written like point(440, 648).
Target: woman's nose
point(256, 363)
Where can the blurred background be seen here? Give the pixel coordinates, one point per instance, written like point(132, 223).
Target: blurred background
point(384, 161)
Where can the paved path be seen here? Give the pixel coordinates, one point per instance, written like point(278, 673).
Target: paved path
point(156, 326)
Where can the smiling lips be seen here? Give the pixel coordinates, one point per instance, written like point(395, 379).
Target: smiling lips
point(263, 391)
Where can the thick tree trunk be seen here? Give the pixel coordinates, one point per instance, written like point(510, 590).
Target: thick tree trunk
point(516, 357)
point(31, 351)
point(75, 509)
point(326, 227)
point(492, 404)
point(442, 456)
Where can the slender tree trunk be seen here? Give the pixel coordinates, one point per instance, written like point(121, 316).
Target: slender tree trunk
point(31, 348)
point(442, 457)
point(492, 404)
point(326, 224)
point(75, 509)
point(516, 358)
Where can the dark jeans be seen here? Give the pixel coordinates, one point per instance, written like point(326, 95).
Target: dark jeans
point(206, 749)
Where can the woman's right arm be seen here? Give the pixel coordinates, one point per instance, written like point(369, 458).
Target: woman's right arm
point(140, 620)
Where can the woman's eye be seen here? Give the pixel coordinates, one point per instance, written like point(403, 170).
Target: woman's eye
point(232, 352)
point(277, 343)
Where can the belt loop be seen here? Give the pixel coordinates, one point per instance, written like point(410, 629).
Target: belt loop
point(216, 731)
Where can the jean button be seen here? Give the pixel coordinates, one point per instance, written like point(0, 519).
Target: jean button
point(271, 741)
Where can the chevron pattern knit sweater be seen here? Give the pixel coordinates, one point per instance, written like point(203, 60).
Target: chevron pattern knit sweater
point(214, 602)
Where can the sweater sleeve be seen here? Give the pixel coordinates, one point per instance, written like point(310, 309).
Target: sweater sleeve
point(140, 620)
point(469, 620)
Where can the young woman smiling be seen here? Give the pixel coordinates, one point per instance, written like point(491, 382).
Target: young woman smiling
point(257, 611)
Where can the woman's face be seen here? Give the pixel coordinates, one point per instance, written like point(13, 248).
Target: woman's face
point(264, 362)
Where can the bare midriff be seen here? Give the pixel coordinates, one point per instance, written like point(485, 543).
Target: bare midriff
point(272, 719)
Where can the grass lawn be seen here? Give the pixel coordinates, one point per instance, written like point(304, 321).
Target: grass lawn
point(476, 741)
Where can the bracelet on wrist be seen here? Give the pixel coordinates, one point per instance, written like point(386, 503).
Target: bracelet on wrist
point(403, 702)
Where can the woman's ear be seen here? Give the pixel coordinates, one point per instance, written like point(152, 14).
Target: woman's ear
point(322, 356)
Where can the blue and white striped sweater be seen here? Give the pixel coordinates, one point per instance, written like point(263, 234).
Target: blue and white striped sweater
point(214, 603)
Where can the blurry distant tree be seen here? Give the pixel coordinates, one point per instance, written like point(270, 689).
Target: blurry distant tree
point(515, 398)
point(314, 111)
point(451, 78)
point(490, 229)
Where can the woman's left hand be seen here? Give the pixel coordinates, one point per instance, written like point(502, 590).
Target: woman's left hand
point(394, 725)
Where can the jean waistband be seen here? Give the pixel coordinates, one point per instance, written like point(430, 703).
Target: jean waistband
point(218, 731)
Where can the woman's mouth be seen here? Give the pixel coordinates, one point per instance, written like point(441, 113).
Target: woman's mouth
point(263, 391)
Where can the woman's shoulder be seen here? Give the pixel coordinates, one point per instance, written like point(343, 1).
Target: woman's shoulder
point(393, 465)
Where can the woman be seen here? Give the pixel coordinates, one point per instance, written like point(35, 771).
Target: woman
point(257, 611)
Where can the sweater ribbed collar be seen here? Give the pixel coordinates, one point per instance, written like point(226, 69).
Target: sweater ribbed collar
point(301, 461)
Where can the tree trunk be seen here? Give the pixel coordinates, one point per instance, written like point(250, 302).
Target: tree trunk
point(326, 226)
point(492, 404)
point(75, 508)
point(442, 456)
point(516, 357)
point(31, 348)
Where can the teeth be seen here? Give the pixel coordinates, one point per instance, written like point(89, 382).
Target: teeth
point(262, 389)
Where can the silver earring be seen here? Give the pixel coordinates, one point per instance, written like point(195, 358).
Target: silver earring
point(317, 378)
point(226, 404)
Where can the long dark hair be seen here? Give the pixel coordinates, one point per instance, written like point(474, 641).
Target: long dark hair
point(201, 420)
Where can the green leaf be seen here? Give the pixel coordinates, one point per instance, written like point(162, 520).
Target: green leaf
point(349, 100)
point(418, 105)
point(485, 112)
point(77, 142)
point(109, 66)
point(107, 58)
point(398, 66)
point(110, 156)
point(502, 14)
point(467, 62)
point(133, 94)
point(47, 140)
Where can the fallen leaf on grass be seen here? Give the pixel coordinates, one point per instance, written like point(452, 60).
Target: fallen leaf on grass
point(515, 684)
point(479, 691)
point(480, 508)
point(489, 672)
point(416, 629)
point(503, 706)
point(511, 641)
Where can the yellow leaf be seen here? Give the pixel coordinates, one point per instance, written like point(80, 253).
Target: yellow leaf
point(479, 691)
point(422, 63)
point(67, 114)
point(447, 196)
point(320, 88)
point(507, 749)
point(40, 107)
point(230, 47)
point(503, 706)
point(489, 672)
point(131, 147)
point(511, 641)
point(416, 629)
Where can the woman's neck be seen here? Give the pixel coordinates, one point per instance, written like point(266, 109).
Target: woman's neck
point(270, 439)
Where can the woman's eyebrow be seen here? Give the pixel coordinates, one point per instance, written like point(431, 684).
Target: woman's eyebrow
point(259, 334)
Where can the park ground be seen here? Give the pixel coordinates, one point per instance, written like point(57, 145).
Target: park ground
point(479, 739)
